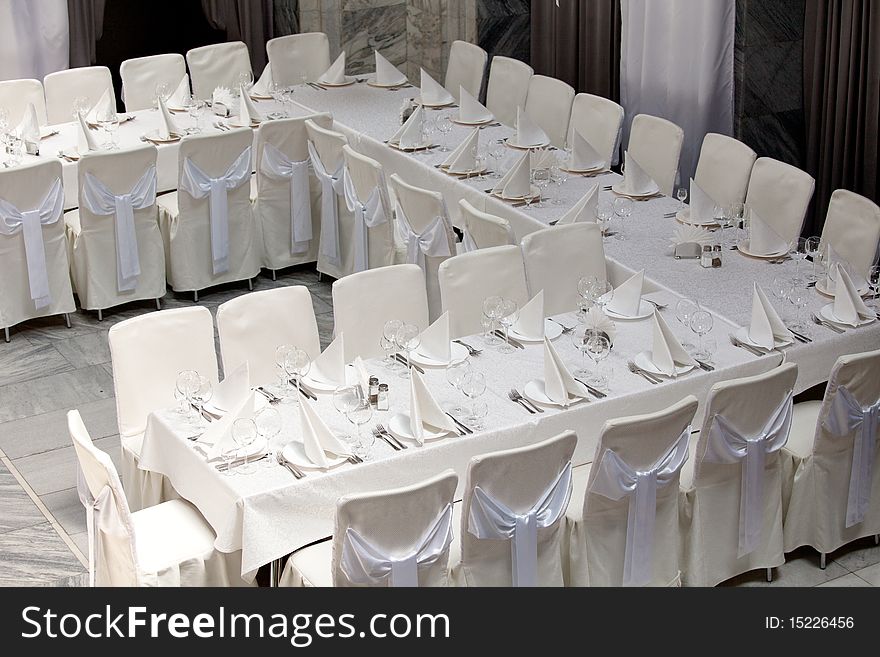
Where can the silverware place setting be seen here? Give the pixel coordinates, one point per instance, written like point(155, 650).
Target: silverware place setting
point(653, 379)
point(565, 329)
point(736, 342)
point(828, 325)
point(296, 472)
point(381, 436)
point(518, 397)
point(381, 429)
point(472, 351)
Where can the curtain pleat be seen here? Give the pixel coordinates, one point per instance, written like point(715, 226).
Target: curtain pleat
point(250, 21)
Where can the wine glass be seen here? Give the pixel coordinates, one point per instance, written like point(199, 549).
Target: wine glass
point(684, 309)
point(603, 218)
point(186, 383)
point(246, 79)
point(201, 395)
point(507, 317)
point(409, 338)
point(556, 176)
point(497, 151)
point(389, 335)
point(281, 355)
point(108, 121)
point(874, 285)
point(229, 454)
point(492, 312)
point(359, 415)
point(268, 422)
point(599, 292)
point(797, 249)
point(584, 288)
point(444, 127)
point(780, 289)
point(428, 130)
point(473, 385)
point(163, 91)
point(812, 246)
point(541, 178)
point(799, 297)
point(701, 324)
point(454, 374)
point(194, 109)
point(298, 363)
point(681, 194)
point(80, 106)
point(244, 433)
point(622, 208)
point(579, 340)
point(598, 347)
point(346, 399)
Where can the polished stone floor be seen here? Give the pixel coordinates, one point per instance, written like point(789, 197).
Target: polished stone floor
point(48, 369)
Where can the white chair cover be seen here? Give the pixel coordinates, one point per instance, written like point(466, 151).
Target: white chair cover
point(275, 164)
point(217, 65)
point(295, 55)
point(481, 230)
point(16, 95)
point(371, 242)
point(548, 104)
point(367, 214)
point(852, 228)
point(724, 169)
point(142, 75)
point(64, 87)
point(431, 242)
point(780, 194)
point(655, 144)
point(466, 65)
point(325, 151)
point(599, 121)
point(508, 88)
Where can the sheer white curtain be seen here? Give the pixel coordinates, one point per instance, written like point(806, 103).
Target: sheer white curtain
point(33, 38)
point(676, 61)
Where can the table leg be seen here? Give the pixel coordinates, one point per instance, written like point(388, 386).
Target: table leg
point(275, 569)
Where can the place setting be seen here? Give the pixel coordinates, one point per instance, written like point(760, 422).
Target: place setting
point(559, 388)
point(527, 134)
point(636, 184)
point(583, 159)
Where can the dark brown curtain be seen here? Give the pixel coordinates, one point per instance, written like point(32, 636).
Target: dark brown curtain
point(250, 21)
point(85, 19)
point(841, 99)
point(578, 42)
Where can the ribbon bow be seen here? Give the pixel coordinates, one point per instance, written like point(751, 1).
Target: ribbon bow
point(331, 187)
point(278, 166)
point(489, 518)
point(615, 480)
point(198, 184)
point(366, 215)
point(363, 563)
point(433, 241)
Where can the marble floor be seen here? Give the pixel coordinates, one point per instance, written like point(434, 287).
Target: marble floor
point(47, 369)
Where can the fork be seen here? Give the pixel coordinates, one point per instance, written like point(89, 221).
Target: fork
point(382, 436)
point(354, 459)
point(565, 329)
point(635, 369)
point(827, 325)
point(658, 306)
point(296, 472)
point(526, 401)
point(514, 397)
point(471, 350)
point(736, 342)
point(390, 435)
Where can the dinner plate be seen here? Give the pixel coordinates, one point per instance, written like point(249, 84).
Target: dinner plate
point(323, 386)
point(599, 169)
point(459, 353)
point(534, 391)
point(684, 217)
point(295, 452)
point(646, 309)
point(743, 334)
point(410, 149)
point(260, 401)
point(473, 123)
point(418, 101)
point(552, 330)
point(235, 124)
point(372, 82)
point(348, 81)
point(398, 425)
point(743, 247)
point(645, 360)
point(255, 449)
point(466, 174)
point(525, 147)
point(258, 97)
point(153, 136)
point(821, 289)
point(827, 313)
point(534, 193)
point(617, 189)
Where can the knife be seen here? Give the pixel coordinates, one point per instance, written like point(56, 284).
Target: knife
point(510, 341)
point(463, 427)
point(593, 391)
point(308, 393)
point(401, 359)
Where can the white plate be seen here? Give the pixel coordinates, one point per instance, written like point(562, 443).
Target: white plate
point(473, 123)
point(319, 386)
point(256, 448)
point(398, 425)
point(645, 361)
point(259, 402)
point(533, 193)
point(743, 334)
point(153, 136)
point(349, 79)
point(594, 170)
point(295, 452)
point(459, 353)
point(409, 149)
point(827, 313)
point(821, 289)
point(684, 217)
point(645, 310)
point(552, 330)
point(372, 82)
point(534, 391)
point(617, 189)
point(743, 247)
point(418, 101)
point(525, 147)
point(235, 124)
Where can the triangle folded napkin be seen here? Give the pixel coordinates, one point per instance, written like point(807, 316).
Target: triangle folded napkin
point(528, 133)
point(177, 100)
point(101, 108)
point(387, 74)
point(86, 141)
point(628, 296)
point(848, 305)
point(167, 128)
point(424, 411)
point(516, 183)
point(247, 111)
point(28, 129)
point(559, 384)
point(262, 87)
point(329, 366)
point(461, 159)
point(234, 387)
point(218, 436)
point(318, 440)
point(432, 92)
point(667, 352)
point(636, 181)
point(766, 326)
point(530, 323)
point(763, 239)
point(584, 210)
point(336, 73)
point(471, 110)
point(357, 375)
point(434, 342)
point(583, 156)
point(409, 135)
point(702, 206)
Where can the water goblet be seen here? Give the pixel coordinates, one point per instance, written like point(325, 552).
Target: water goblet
point(297, 364)
point(598, 347)
point(812, 247)
point(507, 317)
point(799, 297)
point(444, 127)
point(681, 194)
point(409, 338)
point(684, 309)
point(492, 312)
point(454, 374)
point(541, 178)
point(473, 385)
point(244, 434)
point(360, 415)
point(268, 422)
point(497, 151)
point(622, 208)
point(281, 357)
point(701, 324)
point(201, 395)
point(186, 383)
point(346, 399)
point(780, 289)
point(389, 335)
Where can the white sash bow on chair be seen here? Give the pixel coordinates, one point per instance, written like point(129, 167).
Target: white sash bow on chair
point(844, 417)
point(366, 215)
point(278, 166)
point(467, 241)
point(31, 224)
point(363, 563)
point(490, 518)
point(198, 184)
point(331, 187)
point(727, 445)
point(615, 480)
point(101, 201)
point(433, 241)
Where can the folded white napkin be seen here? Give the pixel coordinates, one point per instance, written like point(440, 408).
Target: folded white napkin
point(832, 260)
point(599, 321)
point(218, 436)
point(516, 183)
point(528, 133)
point(85, 139)
point(584, 210)
point(262, 87)
point(336, 73)
point(424, 411)
point(29, 128)
point(583, 155)
point(628, 296)
point(559, 384)
point(105, 104)
point(318, 439)
point(409, 135)
point(702, 206)
point(168, 126)
point(636, 181)
point(432, 92)
point(329, 366)
point(461, 159)
point(234, 387)
point(667, 351)
point(247, 110)
point(434, 342)
point(177, 100)
point(766, 325)
point(542, 158)
point(848, 305)
point(470, 110)
point(763, 239)
point(530, 323)
point(357, 375)
point(387, 74)
point(221, 101)
point(685, 233)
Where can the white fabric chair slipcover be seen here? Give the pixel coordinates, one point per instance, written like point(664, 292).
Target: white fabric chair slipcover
point(780, 194)
point(141, 75)
point(465, 68)
point(147, 353)
point(622, 525)
point(557, 258)
point(64, 87)
point(731, 492)
point(467, 279)
point(288, 201)
point(296, 55)
point(548, 104)
point(170, 544)
point(363, 302)
point(16, 95)
point(253, 325)
point(831, 475)
point(508, 88)
point(207, 225)
point(116, 251)
point(483, 230)
point(852, 228)
point(724, 169)
point(655, 144)
point(423, 225)
point(33, 249)
point(396, 538)
point(599, 121)
point(366, 196)
point(217, 65)
point(511, 530)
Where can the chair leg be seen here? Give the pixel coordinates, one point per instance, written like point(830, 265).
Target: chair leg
point(158, 304)
point(6, 331)
point(876, 536)
point(769, 574)
point(100, 315)
point(320, 277)
point(273, 275)
point(66, 319)
point(822, 561)
point(251, 284)
point(195, 296)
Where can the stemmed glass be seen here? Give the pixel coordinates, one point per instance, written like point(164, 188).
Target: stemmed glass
point(780, 289)
point(244, 433)
point(799, 297)
point(359, 415)
point(622, 208)
point(595, 291)
point(345, 400)
point(701, 324)
point(684, 310)
point(409, 338)
point(473, 385)
point(497, 151)
point(428, 129)
point(558, 175)
point(297, 363)
point(492, 312)
point(163, 91)
point(186, 383)
point(108, 120)
point(268, 422)
point(444, 127)
point(508, 315)
point(388, 342)
point(194, 109)
point(597, 347)
point(797, 249)
point(579, 339)
point(480, 158)
point(541, 178)
point(585, 292)
point(681, 194)
point(455, 372)
point(246, 79)
point(874, 285)
point(281, 358)
point(812, 246)
point(201, 395)
point(603, 218)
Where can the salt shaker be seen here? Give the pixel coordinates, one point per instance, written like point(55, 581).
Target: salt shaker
point(382, 397)
point(706, 256)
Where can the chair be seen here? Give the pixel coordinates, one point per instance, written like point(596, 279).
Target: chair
point(467, 279)
point(508, 88)
point(217, 65)
point(655, 144)
point(64, 87)
point(548, 104)
point(731, 489)
point(724, 168)
point(465, 68)
point(16, 95)
point(252, 326)
point(511, 516)
point(366, 195)
point(288, 201)
point(298, 55)
point(831, 478)
point(423, 225)
point(615, 535)
point(142, 75)
point(397, 537)
point(599, 121)
point(363, 302)
point(169, 544)
point(483, 230)
point(557, 258)
point(852, 228)
point(211, 238)
point(35, 272)
point(116, 250)
point(780, 194)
